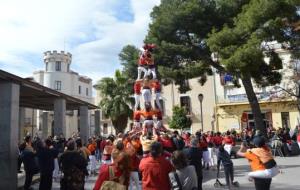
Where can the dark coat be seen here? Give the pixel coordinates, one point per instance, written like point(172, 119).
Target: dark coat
point(29, 160)
point(194, 157)
point(73, 166)
point(46, 160)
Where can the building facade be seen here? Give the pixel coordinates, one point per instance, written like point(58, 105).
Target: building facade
point(226, 107)
point(279, 108)
point(59, 76)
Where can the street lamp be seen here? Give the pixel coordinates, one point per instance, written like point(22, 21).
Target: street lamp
point(200, 98)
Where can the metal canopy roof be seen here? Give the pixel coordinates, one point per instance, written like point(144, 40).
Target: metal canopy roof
point(36, 96)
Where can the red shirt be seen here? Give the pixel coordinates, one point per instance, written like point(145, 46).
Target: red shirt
point(137, 88)
point(155, 173)
point(298, 137)
point(156, 86)
point(228, 140)
point(217, 140)
point(104, 175)
point(136, 115)
point(102, 145)
point(167, 143)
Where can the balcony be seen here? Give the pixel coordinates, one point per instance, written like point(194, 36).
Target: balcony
point(240, 98)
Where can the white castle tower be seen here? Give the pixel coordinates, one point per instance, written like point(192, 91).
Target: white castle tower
point(58, 76)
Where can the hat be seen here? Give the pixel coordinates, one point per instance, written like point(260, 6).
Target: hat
point(259, 141)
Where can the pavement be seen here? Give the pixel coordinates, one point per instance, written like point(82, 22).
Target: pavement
point(288, 179)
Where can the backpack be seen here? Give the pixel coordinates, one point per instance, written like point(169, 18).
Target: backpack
point(111, 184)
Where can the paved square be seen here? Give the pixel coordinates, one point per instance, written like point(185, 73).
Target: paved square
point(288, 179)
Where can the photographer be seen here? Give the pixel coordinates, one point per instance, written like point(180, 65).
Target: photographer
point(262, 164)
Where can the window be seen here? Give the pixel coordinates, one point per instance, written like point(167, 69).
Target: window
point(250, 123)
point(57, 85)
point(68, 68)
point(46, 66)
point(79, 89)
point(285, 119)
point(185, 102)
point(105, 131)
point(87, 91)
point(58, 65)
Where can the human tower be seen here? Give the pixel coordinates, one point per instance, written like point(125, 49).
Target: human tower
point(147, 117)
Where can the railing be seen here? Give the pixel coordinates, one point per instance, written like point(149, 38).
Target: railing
point(238, 98)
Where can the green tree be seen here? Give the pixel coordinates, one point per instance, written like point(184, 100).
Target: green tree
point(188, 31)
point(129, 56)
point(115, 100)
point(179, 119)
point(180, 28)
point(244, 46)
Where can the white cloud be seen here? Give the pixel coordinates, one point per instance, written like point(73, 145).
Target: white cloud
point(90, 28)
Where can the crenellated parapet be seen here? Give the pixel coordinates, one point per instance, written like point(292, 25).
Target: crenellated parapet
point(53, 56)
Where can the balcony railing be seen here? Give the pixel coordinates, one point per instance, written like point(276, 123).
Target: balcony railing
point(239, 98)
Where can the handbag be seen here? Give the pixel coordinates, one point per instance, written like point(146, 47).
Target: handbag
point(111, 184)
point(175, 182)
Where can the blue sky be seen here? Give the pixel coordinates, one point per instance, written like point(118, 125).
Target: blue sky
point(94, 31)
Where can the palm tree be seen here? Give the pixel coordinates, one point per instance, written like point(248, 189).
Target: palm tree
point(115, 94)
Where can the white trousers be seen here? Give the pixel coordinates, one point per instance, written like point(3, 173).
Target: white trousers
point(137, 124)
point(92, 163)
point(148, 122)
point(228, 148)
point(147, 95)
point(134, 181)
point(267, 173)
point(152, 70)
point(56, 169)
point(211, 156)
point(157, 98)
point(205, 157)
point(158, 124)
point(140, 71)
point(137, 98)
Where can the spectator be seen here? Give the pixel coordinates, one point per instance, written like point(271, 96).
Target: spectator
point(92, 157)
point(98, 149)
point(205, 154)
point(120, 167)
point(256, 164)
point(82, 150)
point(147, 140)
point(46, 157)
point(155, 169)
point(194, 157)
point(228, 142)
point(134, 166)
point(106, 156)
point(166, 142)
point(178, 141)
point(74, 168)
point(186, 174)
point(30, 162)
point(21, 149)
point(225, 159)
point(298, 139)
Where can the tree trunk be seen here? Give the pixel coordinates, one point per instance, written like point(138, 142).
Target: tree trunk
point(258, 119)
point(120, 123)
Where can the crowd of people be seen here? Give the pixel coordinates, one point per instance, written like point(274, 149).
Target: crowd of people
point(159, 160)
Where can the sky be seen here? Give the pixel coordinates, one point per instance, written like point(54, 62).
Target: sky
point(93, 31)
